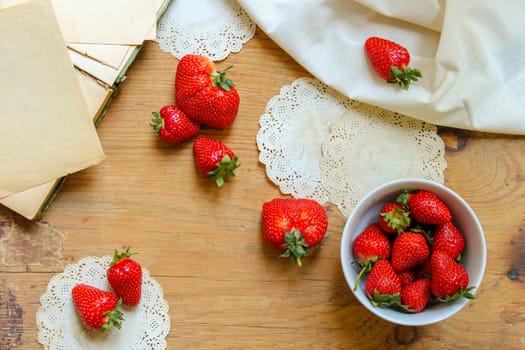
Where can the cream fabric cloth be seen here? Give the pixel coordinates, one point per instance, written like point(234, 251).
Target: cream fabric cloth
point(469, 51)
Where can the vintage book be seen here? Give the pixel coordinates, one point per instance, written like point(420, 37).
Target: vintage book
point(100, 69)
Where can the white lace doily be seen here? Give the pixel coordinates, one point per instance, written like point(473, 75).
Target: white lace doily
point(369, 146)
point(318, 144)
point(291, 132)
point(213, 28)
point(145, 327)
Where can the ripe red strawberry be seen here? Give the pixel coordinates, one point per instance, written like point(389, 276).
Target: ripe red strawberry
point(214, 159)
point(427, 208)
point(369, 246)
point(409, 250)
point(383, 286)
point(172, 125)
point(407, 276)
point(447, 238)
point(394, 218)
point(390, 61)
point(98, 309)
point(449, 280)
point(294, 225)
point(415, 295)
point(205, 94)
point(125, 277)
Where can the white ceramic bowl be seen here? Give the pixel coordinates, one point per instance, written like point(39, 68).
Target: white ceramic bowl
point(473, 258)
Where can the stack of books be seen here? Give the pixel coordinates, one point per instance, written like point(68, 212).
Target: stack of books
point(100, 40)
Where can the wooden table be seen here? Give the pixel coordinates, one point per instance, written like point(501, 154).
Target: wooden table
point(226, 288)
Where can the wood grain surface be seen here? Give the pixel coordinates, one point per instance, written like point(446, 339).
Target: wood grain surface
point(226, 288)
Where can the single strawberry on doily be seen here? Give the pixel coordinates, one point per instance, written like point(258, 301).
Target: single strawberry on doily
point(212, 28)
point(59, 327)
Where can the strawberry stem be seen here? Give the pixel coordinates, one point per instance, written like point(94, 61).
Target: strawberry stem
point(120, 256)
point(219, 79)
point(295, 246)
point(366, 266)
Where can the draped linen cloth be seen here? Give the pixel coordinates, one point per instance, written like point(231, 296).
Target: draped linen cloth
point(469, 52)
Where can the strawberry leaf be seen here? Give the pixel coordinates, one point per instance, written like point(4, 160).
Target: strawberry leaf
point(120, 256)
point(403, 76)
point(295, 247)
point(157, 123)
point(397, 219)
point(463, 292)
point(219, 79)
point(384, 300)
point(114, 317)
point(223, 169)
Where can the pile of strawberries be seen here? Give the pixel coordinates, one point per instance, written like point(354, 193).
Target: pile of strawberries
point(204, 96)
point(100, 309)
point(412, 254)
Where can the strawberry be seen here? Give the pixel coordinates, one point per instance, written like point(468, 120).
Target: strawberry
point(205, 94)
point(368, 247)
point(447, 238)
point(394, 218)
point(409, 250)
point(390, 61)
point(449, 280)
point(407, 276)
point(172, 125)
point(415, 295)
point(98, 309)
point(214, 159)
point(427, 208)
point(294, 225)
point(383, 286)
point(125, 277)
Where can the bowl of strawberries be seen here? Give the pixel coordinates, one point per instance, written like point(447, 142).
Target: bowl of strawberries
point(413, 252)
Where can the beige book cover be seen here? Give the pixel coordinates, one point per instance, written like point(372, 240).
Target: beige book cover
point(126, 22)
point(34, 202)
point(46, 128)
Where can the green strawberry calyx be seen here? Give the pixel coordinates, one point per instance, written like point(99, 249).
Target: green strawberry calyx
point(403, 199)
point(462, 292)
point(403, 76)
point(295, 247)
point(397, 219)
point(384, 300)
point(157, 123)
point(224, 168)
point(115, 317)
point(121, 256)
point(219, 79)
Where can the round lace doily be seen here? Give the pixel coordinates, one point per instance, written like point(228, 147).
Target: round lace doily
point(59, 327)
point(369, 146)
point(213, 28)
point(291, 132)
point(318, 144)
